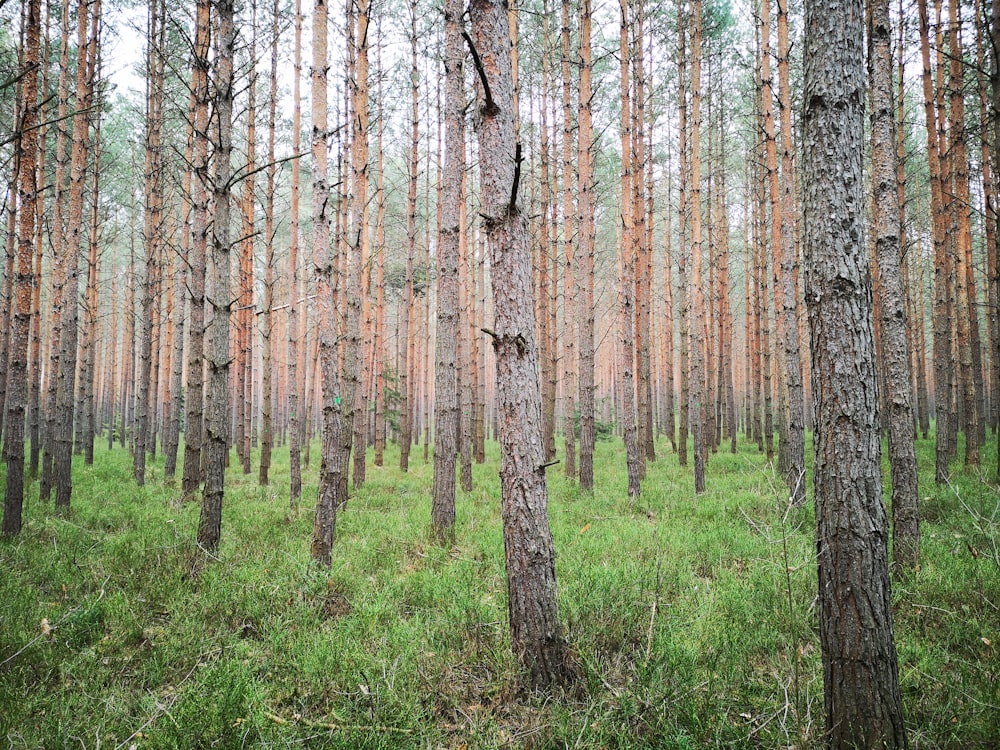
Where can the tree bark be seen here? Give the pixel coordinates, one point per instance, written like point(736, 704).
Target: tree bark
point(446, 412)
point(860, 671)
point(217, 396)
point(331, 467)
point(536, 633)
point(27, 188)
point(585, 252)
point(195, 397)
point(294, 375)
point(895, 352)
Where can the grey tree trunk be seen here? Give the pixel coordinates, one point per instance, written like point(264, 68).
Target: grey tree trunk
point(536, 633)
point(217, 396)
point(860, 671)
point(446, 414)
point(585, 255)
point(194, 397)
point(895, 351)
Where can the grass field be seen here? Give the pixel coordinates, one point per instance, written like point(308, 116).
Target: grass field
point(692, 621)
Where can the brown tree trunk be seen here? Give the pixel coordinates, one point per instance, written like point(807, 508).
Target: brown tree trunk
point(217, 393)
point(88, 372)
point(536, 633)
point(860, 672)
point(683, 215)
point(324, 525)
point(965, 312)
point(357, 246)
point(27, 189)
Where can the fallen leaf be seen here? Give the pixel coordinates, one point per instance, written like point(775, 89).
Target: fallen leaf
point(585, 528)
point(987, 641)
point(46, 628)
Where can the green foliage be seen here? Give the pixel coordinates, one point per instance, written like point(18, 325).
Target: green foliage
point(691, 620)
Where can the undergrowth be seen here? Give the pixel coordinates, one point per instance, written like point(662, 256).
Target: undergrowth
point(692, 620)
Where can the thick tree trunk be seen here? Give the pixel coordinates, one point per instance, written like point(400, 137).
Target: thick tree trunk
point(860, 672)
point(217, 395)
point(536, 633)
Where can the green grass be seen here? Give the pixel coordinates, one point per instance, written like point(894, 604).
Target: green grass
point(114, 632)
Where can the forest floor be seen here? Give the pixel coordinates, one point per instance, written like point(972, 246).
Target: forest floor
point(692, 621)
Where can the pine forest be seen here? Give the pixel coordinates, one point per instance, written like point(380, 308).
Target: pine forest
point(500, 374)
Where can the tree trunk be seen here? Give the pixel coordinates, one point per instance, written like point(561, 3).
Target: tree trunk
point(407, 324)
point(65, 399)
point(446, 412)
point(942, 320)
point(267, 321)
point(324, 525)
point(795, 428)
point(195, 399)
point(536, 633)
point(860, 672)
point(585, 253)
point(217, 395)
point(569, 222)
point(294, 375)
point(895, 352)
point(27, 188)
point(627, 264)
point(697, 318)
